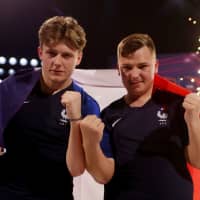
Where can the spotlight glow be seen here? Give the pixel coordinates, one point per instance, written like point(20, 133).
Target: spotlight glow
point(2, 71)
point(12, 61)
point(198, 88)
point(194, 22)
point(23, 61)
point(2, 60)
point(192, 80)
point(181, 78)
point(34, 62)
point(11, 71)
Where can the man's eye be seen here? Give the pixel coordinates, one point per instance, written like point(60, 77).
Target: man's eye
point(66, 56)
point(126, 68)
point(142, 66)
point(52, 54)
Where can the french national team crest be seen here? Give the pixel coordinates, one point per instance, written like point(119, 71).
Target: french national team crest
point(162, 116)
point(63, 117)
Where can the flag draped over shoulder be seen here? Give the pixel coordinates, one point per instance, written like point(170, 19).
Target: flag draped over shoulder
point(166, 85)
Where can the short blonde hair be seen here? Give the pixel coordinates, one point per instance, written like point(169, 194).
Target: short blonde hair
point(62, 29)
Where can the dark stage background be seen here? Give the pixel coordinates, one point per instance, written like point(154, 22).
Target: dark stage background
point(105, 21)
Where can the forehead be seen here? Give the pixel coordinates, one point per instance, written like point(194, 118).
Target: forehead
point(143, 54)
point(59, 47)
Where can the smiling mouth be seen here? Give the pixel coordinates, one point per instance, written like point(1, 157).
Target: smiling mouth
point(135, 83)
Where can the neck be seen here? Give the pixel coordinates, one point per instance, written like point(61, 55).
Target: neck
point(137, 101)
point(53, 88)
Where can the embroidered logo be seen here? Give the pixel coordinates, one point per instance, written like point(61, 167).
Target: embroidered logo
point(63, 120)
point(162, 116)
point(115, 122)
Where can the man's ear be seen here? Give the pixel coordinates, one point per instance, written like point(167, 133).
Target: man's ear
point(79, 58)
point(156, 66)
point(39, 50)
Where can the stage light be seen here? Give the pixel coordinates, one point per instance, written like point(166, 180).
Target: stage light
point(194, 22)
point(198, 88)
point(2, 60)
point(12, 61)
point(2, 71)
point(11, 71)
point(192, 80)
point(23, 61)
point(34, 62)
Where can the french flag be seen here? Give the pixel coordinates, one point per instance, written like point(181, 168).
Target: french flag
point(166, 85)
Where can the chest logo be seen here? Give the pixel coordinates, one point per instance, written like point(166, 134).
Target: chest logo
point(162, 116)
point(63, 119)
point(115, 122)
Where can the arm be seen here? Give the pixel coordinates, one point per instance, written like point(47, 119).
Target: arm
point(75, 158)
point(97, 164)
point(192, 117)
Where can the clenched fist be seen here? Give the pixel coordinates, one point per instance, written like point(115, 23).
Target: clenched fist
point(192, 109)
point(71, 100)
point(91, 129)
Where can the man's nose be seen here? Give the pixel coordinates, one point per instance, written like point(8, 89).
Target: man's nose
point(134, 72)
point(57, 59)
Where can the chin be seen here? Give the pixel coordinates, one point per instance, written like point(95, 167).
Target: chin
point(136, 90)
point(57, 79)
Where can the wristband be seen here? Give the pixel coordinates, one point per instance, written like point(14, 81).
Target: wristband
point(74, 119)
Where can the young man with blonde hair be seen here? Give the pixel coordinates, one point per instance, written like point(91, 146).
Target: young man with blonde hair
point(40, 113)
